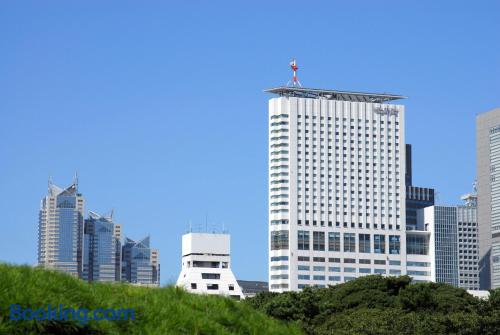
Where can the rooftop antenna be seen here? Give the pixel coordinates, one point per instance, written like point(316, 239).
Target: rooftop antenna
point(75, 180)
point(111, 214)
point(190, 226)
point(295, 80)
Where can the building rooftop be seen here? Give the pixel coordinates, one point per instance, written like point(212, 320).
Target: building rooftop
point(314, 93)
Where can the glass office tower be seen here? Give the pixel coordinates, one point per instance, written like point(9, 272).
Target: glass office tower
point(102, 249)
point(60, 229)
point(140, 262)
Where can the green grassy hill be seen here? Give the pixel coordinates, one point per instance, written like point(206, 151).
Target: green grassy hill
point(157, 310)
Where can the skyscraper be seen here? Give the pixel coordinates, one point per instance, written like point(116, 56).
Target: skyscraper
point(140, 263)
point(441, 221)
point(416, 197)
point(60, 229)
point(102, 249)
point(468, 243)
point(453, 244)
point(336, 187)
point(488, 196)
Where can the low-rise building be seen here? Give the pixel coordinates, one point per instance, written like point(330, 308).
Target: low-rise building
point(206, 265)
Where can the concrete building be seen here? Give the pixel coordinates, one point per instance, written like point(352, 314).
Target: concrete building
point(140, 264)
point(336, 187)
point(60, 229)
point(468, 243)
point(206, 265)
point(416, 197)
point(453, 244)
point(102, 249)
point(488, 192)
point(441, 221)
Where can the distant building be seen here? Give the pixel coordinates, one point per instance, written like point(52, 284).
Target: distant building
point(416, 197)
point(140, 263)
point(102, 249)
point(206, 265)
point(250, 288)
point(488, 196)
point(60, 229)
point(442, 223)
point(453, 249)
point(468, 243)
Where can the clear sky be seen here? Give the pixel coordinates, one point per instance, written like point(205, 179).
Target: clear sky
point(160, 107)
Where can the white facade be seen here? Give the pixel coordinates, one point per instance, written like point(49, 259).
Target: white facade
point(206, 265)
point(336, 187)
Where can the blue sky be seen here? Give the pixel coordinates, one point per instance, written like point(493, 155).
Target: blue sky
point(160, 107)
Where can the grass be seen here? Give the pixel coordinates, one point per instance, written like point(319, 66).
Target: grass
point(167, 310)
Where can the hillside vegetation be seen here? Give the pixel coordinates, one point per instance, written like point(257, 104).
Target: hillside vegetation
point(166, 310)
point(384, 305)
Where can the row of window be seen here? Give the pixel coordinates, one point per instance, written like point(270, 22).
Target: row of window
point(321, 241)
point(351, 120)
point(349, 242)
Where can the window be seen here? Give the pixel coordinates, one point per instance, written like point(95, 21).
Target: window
point(303, 259)
point(319, 240)
point(349, 242)
point(379, 244)
point(364, 243)
point(394, 245)
point(193, 286)
point(279, 240)
point(303, 240)
point(417, 245)
point(231, 287)
point(303, 267)
point(334, 241)
point(212, 286)
point(210, 275)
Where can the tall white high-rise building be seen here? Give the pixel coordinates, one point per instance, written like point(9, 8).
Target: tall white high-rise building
point(336, 187)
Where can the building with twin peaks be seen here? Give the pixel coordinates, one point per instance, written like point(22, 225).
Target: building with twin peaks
point(140, 262)
point(60, 229)
point(102, 249)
